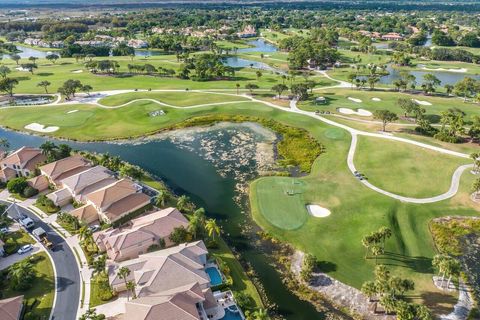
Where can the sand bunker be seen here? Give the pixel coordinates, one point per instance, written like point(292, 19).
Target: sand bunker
point(359, 112)
point(77, 71)
point(354, 99)
point(72, 111)
point(376, 99)
point(317, 211)
point(422, 103)
point(461, 70)
point(40, 128)
point(22, 69)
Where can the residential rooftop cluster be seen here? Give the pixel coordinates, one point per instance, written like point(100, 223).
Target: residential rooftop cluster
point(169, 278)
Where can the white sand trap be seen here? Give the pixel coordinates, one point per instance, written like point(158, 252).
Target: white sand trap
point(460, 70)
point(422, 103)
point(72, 111)
point(359, 112)
point(354, 100)
point(317, 211)
point(40, 128)
point(376, 99)
point(77, 71)
point(364, 113)
point(22, 69)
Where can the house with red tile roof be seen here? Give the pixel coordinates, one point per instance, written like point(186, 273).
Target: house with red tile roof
point(134, 239)
point(64, 168)
point(117, 200)
point(40, 183)
point(11, 308)
point(20, 163)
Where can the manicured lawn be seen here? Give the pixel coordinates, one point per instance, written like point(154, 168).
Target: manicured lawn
point(178, 99)
point(94, 123)
point(47, 210)
point(282, 202)
point(241, 282)
point(41, 294)
point(338, 98)
point(405, 169)
point(68, 68)
point(17, 239)
point(357, 211)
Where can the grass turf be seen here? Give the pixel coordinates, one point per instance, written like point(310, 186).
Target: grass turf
point(338, 98)
point(42, 291)
point(178, 99)
point(400, 168)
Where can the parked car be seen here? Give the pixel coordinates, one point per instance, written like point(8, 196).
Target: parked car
point(4, 230)
point(26, 248)
point(94, 228)
point(27, 223)
point(21, 216)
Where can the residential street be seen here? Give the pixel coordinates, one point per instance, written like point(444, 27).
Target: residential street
point(68, 277)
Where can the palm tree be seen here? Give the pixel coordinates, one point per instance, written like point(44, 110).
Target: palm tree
point(21, 275)
point(376, 251)
point(369, 289)
point(212, 228)
point(131, 287)
point(48, 149)
point(162, 198)
point(194, 225)
point(385, 233)
point(476, 188)
point(123, 274)
point(183, 203)
point(260, 314)
point(475, 156)
point(238, 88)
point(4, 144)
point(259, 74)
point(440, 263)
point(452, 269)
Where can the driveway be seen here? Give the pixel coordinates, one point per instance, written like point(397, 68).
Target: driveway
point(11, 259)
point(68, 282)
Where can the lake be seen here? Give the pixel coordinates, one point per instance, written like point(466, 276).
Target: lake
point(259, 45)
point(211, 166)
point(444, 76)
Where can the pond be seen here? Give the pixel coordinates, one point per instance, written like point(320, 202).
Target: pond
point(211, 166)
point(27, 52)
point(259, 45)
point(446, 77)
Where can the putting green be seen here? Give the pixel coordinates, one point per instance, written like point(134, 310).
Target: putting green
point(282, 202)
point(334, 133)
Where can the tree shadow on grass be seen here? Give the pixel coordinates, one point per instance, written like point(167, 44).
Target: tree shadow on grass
point(44, 74)
point(326, 266)
point(439, 303)
point(418, 264)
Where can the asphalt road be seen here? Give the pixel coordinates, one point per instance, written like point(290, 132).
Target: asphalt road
point(68, 275)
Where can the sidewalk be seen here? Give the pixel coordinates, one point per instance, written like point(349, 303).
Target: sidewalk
point(74, 243)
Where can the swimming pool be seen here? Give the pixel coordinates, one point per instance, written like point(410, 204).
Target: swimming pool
point(215, 277)
point(232, 315)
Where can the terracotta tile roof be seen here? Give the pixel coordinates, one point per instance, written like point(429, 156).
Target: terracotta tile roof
point(159, 224)
point(65, 168)
point(23, 157)
point(112, 193)
point(60, 196)
point(7, 174)
point(39, 182)
point(126, 205)
point(78, 182)
point(179, 305)
point(86, 213)
point(158, 271)
point(10, 309)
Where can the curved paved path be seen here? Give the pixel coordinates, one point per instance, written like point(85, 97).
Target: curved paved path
point(67, 284)
point(95, 98)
